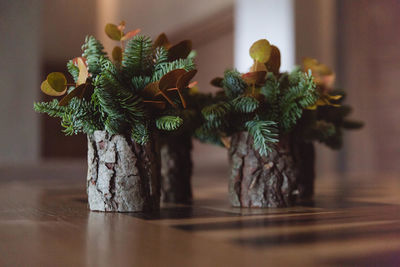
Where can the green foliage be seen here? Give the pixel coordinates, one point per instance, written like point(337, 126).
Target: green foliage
point(51, 108)
point(233, 84)
point(265, 111)
point(245, 104)
point(215, 114)
point(138, 56)
point(114, 100)
point(93, 51)
point(140, 133)
point(73, 70)
point(299, 95)
point(164, 67)
point(208, 135)
point(168, 123)
point(120, 108)
point(78, 116)
point(264, 134)
point(140, 82)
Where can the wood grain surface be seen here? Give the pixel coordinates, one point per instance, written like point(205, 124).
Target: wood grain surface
point(44, 221)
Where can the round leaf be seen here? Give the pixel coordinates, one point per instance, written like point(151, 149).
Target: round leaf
point(48, 90)
point(260, 51)
point(180, 50)
point(274, 62)
point(117, 54)
point(162, 40)
point(57, 81)
point(170, 79)
point(113, 32)
point(183, 81)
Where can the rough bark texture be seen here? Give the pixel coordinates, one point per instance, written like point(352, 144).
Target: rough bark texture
point(304, 157)
point(176, 169)
point(122, 175)
point(260, 181)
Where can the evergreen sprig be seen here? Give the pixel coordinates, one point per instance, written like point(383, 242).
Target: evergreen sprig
point(137, 58)
point(93, 51)
point(264, 134)
point(168, 123)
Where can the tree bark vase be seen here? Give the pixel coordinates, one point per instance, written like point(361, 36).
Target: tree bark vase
point(260, 181)
point(304, 156)
point(123, 176)
point(176, 169)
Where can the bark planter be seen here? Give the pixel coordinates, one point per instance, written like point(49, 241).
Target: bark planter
point(260, 181)
point(123, 176)
point(304, 157)
point(176, 169)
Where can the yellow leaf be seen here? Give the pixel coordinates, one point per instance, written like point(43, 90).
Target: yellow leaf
point(83, 72)
point(335, 97)
point(57, 81)
point(261, 51)
point(48, 90)
point(113, 32)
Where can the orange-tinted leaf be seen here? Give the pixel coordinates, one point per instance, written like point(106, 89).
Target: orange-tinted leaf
point(183, 81)
point(113, 32)
point(77, 92)
point(170, 79)
point(274, 62)
point(83, 72)
point(257, 77)
point(162, 40)
point(261, 51)
point(192, 84)
point(130, 34)
point(180, 50)
point(57, 81)
point(48, 90)
point(117, 54)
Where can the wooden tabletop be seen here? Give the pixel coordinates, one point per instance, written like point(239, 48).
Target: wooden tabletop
point(44, 221)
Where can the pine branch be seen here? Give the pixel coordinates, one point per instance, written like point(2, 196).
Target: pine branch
point(164, 67)
point(215, 114)
point(233, 84)
point(119, 106)
point(93, 51)
point(264, 134)
point(245, 104)
point(300, 94)
point(50, 108)
point(168, 123)
point(137, 59)
point(73, 70)
point(140, 133)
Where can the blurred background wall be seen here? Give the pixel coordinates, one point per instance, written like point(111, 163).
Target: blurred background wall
point(359, 39)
